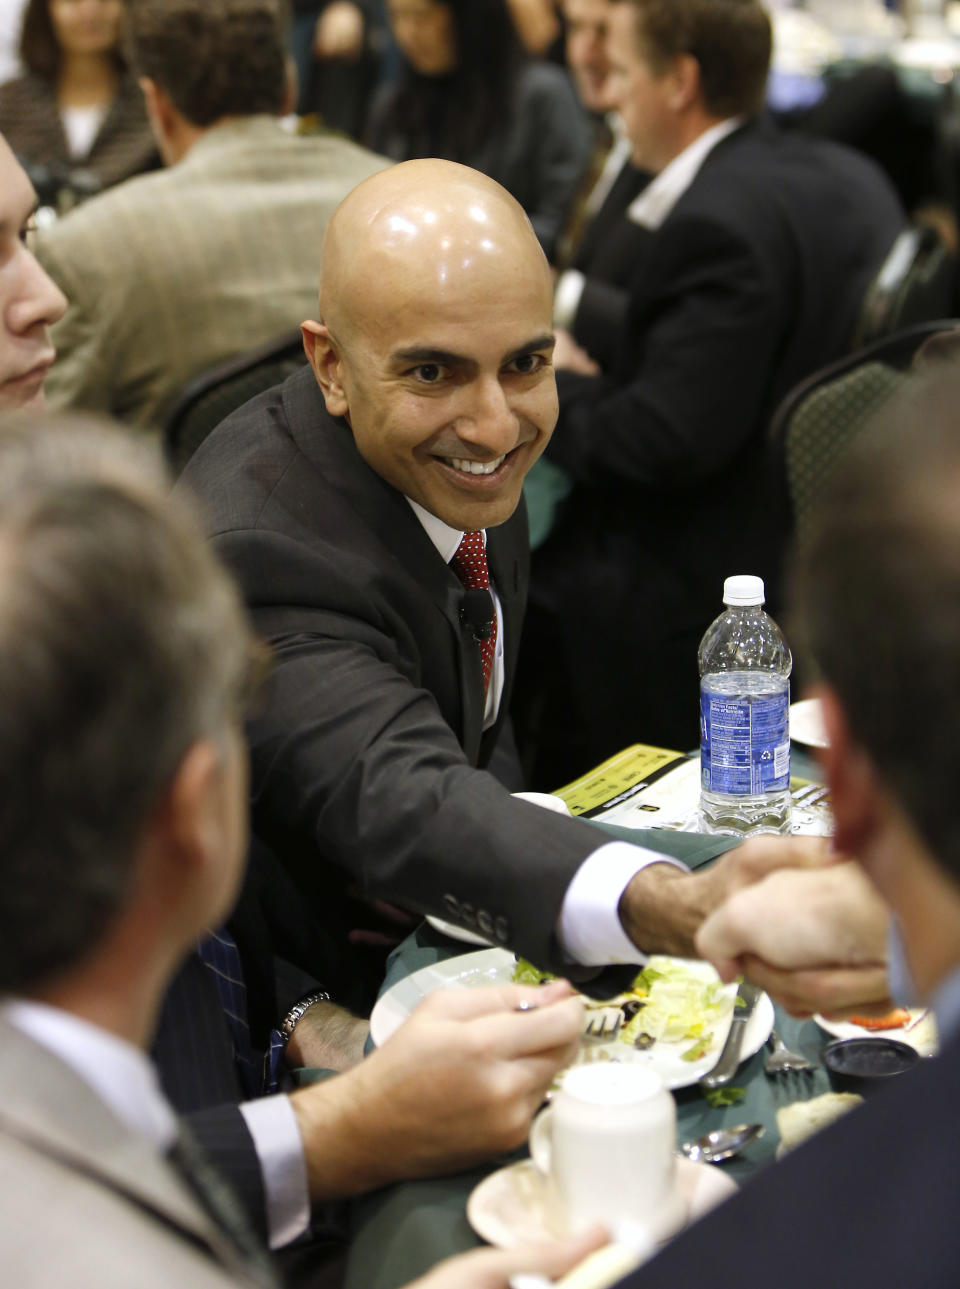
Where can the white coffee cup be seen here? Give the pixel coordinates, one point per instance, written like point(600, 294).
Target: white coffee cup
point(606, 1147)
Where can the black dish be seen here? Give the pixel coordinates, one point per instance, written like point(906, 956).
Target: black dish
point(865, 1065)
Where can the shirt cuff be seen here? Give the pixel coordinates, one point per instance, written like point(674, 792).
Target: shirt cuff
point(590, 929)
point(276, 1139)
point(566, 298)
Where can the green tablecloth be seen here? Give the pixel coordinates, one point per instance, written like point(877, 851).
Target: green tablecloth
point(401, 1231)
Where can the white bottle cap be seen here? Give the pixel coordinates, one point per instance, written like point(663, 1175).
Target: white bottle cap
point(743, 590)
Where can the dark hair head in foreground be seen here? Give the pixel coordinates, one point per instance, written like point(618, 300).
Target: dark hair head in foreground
point(876, 590)
point(213, 58)
point(122, 643)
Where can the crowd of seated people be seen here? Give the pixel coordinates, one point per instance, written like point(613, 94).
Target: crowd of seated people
point(370, 512)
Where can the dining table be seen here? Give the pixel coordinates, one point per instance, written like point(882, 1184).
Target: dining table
point(399, 1232)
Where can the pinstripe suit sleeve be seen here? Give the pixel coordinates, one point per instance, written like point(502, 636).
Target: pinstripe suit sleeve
point(224, 1136)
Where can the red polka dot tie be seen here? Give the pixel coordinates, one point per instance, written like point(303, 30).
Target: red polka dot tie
point(470, 565)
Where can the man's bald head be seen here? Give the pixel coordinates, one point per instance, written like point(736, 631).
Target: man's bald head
point(435, 337)
point(426, 225)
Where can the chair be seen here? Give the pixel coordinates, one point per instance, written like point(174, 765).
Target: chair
point(822, 415)
point(915, 283)
point(223, 388)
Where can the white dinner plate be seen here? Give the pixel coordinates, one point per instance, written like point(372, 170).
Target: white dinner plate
point(516, 1206)
point(806, 723)
point(921, 1034)
point(495, 967)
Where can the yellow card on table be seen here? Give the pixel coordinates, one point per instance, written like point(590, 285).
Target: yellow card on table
point(619, 778)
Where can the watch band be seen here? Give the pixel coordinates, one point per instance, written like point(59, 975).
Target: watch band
point(289, 1022)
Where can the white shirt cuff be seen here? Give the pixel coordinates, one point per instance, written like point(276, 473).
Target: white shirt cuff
point(566, 298)
point(590, 929)
point(276, 1138)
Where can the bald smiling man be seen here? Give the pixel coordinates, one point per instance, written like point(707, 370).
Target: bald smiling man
point(340, 499)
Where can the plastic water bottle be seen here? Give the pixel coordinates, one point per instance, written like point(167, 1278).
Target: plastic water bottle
point(744, 724)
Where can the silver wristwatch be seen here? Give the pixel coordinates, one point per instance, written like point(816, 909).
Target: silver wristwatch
point(289, 1022)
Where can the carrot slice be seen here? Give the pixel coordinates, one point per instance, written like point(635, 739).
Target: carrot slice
point(893, 1020)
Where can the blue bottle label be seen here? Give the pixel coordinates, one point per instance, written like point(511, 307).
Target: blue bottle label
point(744, 743)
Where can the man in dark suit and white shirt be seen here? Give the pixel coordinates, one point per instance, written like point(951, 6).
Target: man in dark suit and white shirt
point(760, 250)
point(338, 499)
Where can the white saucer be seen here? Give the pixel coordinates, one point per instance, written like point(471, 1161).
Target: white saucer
point(515, 1205)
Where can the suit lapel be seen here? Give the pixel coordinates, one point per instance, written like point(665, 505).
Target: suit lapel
point(47, 1107)
point(328, 444)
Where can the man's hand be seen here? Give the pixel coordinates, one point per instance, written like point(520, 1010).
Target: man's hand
point(569, 356)
point(339, 32)
point(663, 907)
point(460, 1081)
point(814, 939)
point(493, 1268)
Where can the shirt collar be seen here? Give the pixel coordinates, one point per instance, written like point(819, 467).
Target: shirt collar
point(121, 1075)
point(658, 199)
point(444, 538)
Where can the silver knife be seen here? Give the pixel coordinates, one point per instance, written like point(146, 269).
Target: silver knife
point(726, 1067)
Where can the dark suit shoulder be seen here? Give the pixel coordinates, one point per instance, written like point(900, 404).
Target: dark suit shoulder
point(759, 169)
point(849, 1197)
point(241, 463)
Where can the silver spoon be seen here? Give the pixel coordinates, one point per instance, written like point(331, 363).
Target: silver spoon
point(722, 1143)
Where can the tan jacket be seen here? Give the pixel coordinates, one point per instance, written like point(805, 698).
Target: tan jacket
point(87, 1202)
point(175, 271)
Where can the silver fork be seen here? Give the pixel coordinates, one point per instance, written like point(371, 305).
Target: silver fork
point(782, 1061)
point(604, 1023)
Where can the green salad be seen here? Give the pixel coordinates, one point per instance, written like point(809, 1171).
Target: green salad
point(668, 1001)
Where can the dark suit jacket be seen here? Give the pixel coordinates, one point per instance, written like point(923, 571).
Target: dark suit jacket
point(606, 257)
point(753, 281)
point(368, 755)
point(870, 1201)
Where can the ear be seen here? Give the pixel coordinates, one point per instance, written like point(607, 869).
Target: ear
point(157, 104)
point(685, 82)
point(166, 123)
point(855, 791)
point(323, 357)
